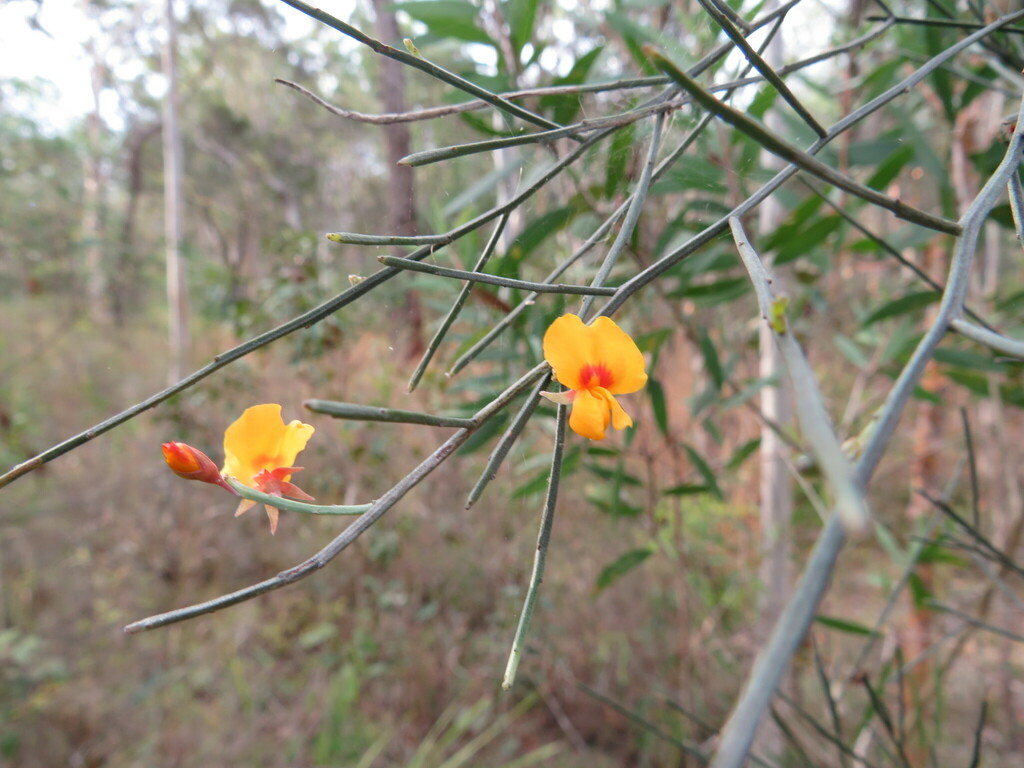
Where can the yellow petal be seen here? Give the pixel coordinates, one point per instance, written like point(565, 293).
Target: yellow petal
point(620, 419)
point(589, 416)
point(601, 355)
point(567, 349)
point(259, 440)
point(272, 513)
point(620, 354)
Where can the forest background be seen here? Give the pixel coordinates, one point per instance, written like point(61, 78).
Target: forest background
point(677, 544)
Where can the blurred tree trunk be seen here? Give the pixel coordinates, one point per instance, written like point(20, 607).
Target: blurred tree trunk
point(177, 289)
point(776, 491)
point(126, 274)
point(401, 192)
point(94, 194)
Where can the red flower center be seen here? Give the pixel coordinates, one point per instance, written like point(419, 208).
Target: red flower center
point(595, 376)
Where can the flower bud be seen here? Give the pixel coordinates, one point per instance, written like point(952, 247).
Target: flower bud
point(192, 464)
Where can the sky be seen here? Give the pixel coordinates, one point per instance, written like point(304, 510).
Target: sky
point(26, 53)
point(59, 57)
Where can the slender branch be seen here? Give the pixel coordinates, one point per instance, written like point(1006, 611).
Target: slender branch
point(358, 238)
point(715, 230)
point(636, 205)
point(547, 521)
point(851, 505)
point(390, 118)
point(393, 415)
point(429, 156)
point(994, 341)
point(290, 505)
point(504, 445)
point(483, 277)
point(949, 23)
point(967, 618)
point(884, 244)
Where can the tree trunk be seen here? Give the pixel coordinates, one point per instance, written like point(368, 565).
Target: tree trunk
point(93, 195)
point(401, 192)
point(177, 289)
point(125, 275)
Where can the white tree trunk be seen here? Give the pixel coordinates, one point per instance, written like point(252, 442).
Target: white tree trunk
point(177, 290)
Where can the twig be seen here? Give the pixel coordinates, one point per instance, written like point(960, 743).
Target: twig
point(483, 277)
point(547, 520)
point(290, 505)
point(850, 503)
point(994, 341)
point(505, 443)
point(358, 412)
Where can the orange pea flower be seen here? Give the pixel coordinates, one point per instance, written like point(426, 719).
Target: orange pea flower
point(259, 450)
point(596, 362)
point(192, 464)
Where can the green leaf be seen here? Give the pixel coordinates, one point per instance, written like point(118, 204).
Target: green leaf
point(634, 35)
point(448, 19)
point(891, 168)
point(704, 470)
point(657, 394)
point(520, 16)
point(851, 351)
point(617, 475)
point(963, 358)
point(715, 292)
point(919, 592)
point(975, 382)
point(803, 242)
point(711, 359)
point(901, 306)
point(622, 565)
point(538, 230)
point(743, 453)
point(618, 156)
point(479, 439)
point(686, 489)
point(842, 625)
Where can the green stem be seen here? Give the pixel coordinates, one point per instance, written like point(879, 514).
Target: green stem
point(482, 277)
point(289, 505)
point(356, 412)
point(504, 445)
point(543, 537)
point(358, 238)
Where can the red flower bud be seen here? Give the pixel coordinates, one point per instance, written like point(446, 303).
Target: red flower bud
point(192, 464)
